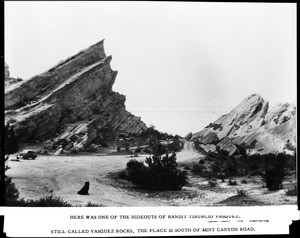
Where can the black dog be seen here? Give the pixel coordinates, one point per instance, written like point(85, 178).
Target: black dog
point(85, 189)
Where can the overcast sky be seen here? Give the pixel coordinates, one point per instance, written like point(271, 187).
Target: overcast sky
point(181, 65)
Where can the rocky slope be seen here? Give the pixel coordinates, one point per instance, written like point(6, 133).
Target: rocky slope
point(253, 126)
point(73, 101)
point(7, 79)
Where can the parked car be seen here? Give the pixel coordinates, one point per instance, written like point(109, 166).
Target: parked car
point(27, 154)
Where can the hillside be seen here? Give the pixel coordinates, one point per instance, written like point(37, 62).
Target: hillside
point(254, 126)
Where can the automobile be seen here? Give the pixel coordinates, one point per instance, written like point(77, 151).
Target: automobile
point(27, 154)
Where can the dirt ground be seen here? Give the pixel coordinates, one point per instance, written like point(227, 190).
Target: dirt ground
point(62, 176)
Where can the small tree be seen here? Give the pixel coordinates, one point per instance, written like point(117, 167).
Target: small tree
point(274, 171)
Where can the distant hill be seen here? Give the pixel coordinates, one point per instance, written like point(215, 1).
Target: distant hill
point(253, 126)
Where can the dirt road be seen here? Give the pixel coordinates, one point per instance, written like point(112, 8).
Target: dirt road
point(63, 176)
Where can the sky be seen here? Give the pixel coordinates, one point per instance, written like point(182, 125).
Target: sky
point(181, 65)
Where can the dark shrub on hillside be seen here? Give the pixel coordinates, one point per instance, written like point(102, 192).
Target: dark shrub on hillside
point(161, 173)
point(90, 204)
point(292, 191)
point(11, 192)
point(223, 152)
point(212, 183)
point(244, 181)
point(11, 140)
point(232, 182)
point(159, 149)
point(274, 171)
point(231, 169)
point(241, 192)
point(49, 201)
point(175, 146)
point(198, 169)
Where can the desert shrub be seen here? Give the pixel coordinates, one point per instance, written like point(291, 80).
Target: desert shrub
point(159, 149)
point(122, 174)
point(187, 167)
point(216, 168)
point(212, 183)
point(48, 201)
point(11, 192)
point(231, 169)
point(241, 192)
point(90, 204)
point(161, 173)
point(201, 161)
point(137, 150)
point(244, 181)
point(198, 169)
point(232, 182)
point(103, 144)
point(223, 152)
point(175, 146)
point(274, 171)
point(11, 140)
point(292, 191)
point(221, 176)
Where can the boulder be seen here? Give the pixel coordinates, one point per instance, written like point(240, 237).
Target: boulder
point(227, 145)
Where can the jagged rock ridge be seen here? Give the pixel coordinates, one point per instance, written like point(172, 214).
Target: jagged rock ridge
point(254, 126)
point(75, 97)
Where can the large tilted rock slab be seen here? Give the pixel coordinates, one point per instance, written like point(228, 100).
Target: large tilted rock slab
point(253, 125)
point(77, 91)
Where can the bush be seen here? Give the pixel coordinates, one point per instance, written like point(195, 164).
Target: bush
point(89, 204)
point(122, 174)
point(212, 183)
point(198, 169)
point(11, 192)
point(274, 171)
point(221, 176)
point(241, 192)
point(48, 201)
point(292, 191)
point(161, 173)
point(244, 181)
point(232, 182)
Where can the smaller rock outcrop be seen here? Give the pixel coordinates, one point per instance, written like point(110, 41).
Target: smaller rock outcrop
point(9, 80)
point(227, 145)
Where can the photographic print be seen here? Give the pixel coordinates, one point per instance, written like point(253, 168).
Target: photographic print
point(149, 105)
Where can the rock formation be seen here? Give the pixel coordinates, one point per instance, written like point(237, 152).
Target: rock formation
point(73, 101)
point(255, 127)
point(9, 80)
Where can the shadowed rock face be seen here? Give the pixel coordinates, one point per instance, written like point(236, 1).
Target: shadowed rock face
point(76, 93)
point(255, 126)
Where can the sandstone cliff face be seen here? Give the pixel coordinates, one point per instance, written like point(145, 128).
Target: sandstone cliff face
point(254, 126)
point(77, 92)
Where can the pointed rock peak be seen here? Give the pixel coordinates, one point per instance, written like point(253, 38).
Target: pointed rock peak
point(253, 97)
